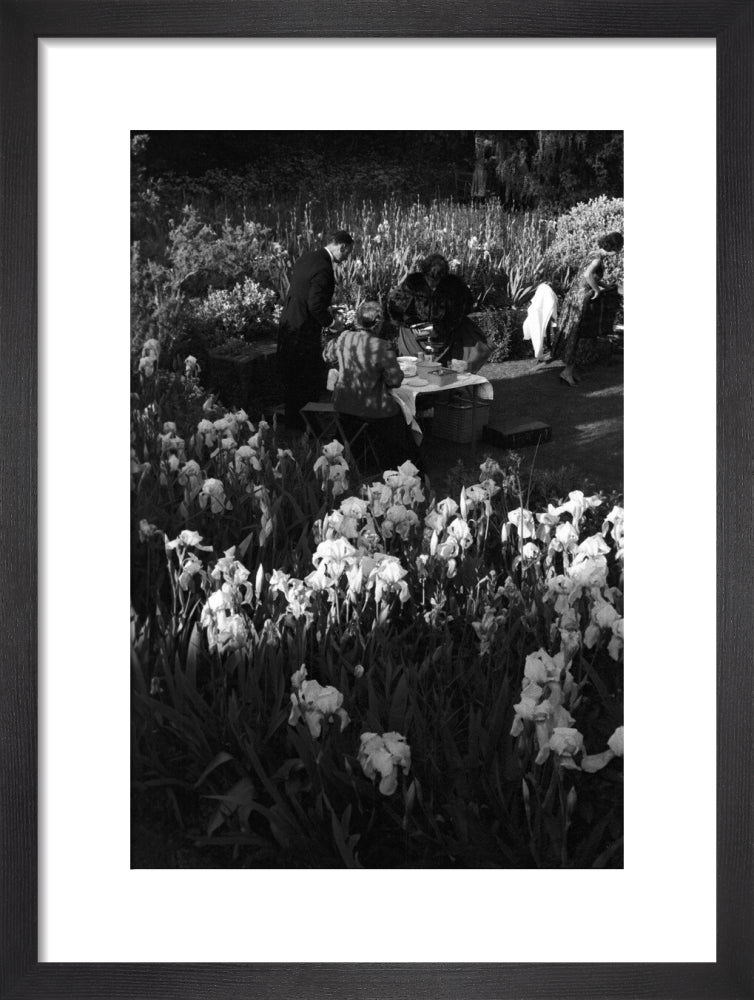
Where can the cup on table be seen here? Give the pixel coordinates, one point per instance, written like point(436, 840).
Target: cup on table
point(458, 366)
point(407, 365)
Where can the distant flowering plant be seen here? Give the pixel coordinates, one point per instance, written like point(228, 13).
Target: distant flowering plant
point(388, 578)
point(459, 530)
point(190, 478)
point(399, 520)
point(150, 357)
point(523, 521)
point(226, 627)
point(487, 627)
point(298, 596)
point(566, 743)
point(603, 616)
point(401, 486)
point(615, 645)
point(335, 556)
point(563, 539)
point(230, 570)
point(614, 523)
point(190, 567)
point(541, 668)
point(147, 366)
point(576, 505)
point(212, 493)
point(385, 755)
point(331, 468)
point(338, 525)
point(244, 309)
point(615, 742)
point(245, 460)
point(187, 539)
point(595, 762)
point(147, 530)
point(315, 704)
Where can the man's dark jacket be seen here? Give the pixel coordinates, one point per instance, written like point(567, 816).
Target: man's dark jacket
point(307, 309)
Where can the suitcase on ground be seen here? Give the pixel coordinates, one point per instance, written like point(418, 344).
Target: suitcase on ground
point(516, 433)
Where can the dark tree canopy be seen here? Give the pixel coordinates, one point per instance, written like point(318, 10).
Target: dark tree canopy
point(537, 169)
point(429, 164)
point(525, 169)
point(195, 152)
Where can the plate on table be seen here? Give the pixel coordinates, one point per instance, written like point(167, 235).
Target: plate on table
point(415, 382)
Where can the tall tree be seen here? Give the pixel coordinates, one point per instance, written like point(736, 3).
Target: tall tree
point(558, 168)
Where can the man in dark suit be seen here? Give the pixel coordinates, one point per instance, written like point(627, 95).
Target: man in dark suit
point(305, 315)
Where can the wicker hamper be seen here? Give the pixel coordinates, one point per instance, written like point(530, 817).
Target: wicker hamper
point(453, 419)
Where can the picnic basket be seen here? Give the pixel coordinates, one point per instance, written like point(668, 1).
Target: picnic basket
point(457, 419)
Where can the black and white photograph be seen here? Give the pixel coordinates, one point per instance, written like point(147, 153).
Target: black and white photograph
point(384, 427)
point(377, 517)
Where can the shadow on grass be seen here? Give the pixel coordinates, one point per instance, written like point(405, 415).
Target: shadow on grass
point(586, 421)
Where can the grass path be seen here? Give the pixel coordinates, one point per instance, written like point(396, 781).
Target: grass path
point(586, 421)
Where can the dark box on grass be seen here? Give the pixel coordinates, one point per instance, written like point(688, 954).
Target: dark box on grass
point(516, 433)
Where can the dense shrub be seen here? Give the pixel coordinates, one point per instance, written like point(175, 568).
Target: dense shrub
point(576, 234)
point(209, 284)
point(503, 329)
point(247, 310)
point(206, 257)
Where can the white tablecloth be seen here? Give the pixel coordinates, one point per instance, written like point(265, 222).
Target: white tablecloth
point(406, 396)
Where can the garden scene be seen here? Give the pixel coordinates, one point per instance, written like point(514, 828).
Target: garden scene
point(336, 664)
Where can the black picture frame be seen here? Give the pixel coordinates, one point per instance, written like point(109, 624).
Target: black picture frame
point(22, 23)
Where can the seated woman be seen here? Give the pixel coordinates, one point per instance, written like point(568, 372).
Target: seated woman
point(434, 295)
point(367, 370)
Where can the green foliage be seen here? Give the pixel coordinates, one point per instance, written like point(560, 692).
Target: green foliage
point(504, 331)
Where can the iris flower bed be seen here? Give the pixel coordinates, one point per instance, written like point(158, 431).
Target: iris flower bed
point(338, 674)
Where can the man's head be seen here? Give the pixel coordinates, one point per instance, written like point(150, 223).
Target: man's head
point(340, 245)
